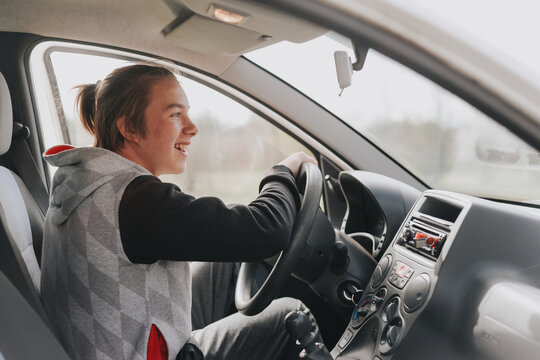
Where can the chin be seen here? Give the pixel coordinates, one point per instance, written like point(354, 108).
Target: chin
point(179, 169)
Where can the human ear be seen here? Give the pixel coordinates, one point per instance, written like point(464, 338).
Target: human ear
point(126, 131)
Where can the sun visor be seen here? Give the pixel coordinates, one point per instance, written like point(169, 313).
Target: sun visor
point(197, 28)
point(218, 37)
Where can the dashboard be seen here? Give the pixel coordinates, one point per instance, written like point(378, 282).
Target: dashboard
point(458, 278)
point(376, 206)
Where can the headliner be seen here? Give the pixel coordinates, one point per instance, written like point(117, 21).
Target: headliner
point(137, 25)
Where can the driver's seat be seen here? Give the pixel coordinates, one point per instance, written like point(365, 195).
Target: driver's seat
point(25, 331)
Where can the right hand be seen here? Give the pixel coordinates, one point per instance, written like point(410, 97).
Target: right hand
point(294, 161)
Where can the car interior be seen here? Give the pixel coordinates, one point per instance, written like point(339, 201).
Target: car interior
point(400, 252)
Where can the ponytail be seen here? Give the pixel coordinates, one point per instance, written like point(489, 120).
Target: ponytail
point(86, 103)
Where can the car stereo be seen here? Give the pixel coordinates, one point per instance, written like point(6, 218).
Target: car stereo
point(422, 238)
point(426, 230)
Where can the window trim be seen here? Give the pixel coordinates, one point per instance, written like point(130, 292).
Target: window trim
point(47, 46)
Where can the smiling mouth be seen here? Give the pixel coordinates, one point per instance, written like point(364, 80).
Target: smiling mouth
point(181, 147)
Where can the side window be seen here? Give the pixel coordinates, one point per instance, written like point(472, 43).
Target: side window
point(229, 156)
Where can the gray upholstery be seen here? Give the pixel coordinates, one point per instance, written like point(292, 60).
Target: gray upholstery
point(24, 334)
point(20, 220)
point(14, 214)
point(14, 218)
point(36, 217)
point(6, 116)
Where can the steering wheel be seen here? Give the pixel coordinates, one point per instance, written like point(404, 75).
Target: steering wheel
point(310, 179)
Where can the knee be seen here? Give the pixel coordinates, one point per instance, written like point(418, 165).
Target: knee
point(287, 304)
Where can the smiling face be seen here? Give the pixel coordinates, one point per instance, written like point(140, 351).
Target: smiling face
point(163, 150)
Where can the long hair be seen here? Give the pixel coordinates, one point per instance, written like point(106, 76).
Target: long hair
point(124, 92)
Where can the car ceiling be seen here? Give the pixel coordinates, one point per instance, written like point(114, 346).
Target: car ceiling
point(200, 40)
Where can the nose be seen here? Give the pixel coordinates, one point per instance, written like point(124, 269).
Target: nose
point(190, 128)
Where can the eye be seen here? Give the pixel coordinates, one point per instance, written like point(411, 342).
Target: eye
point(176, 114)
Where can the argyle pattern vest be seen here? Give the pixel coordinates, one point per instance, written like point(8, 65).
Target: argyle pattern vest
point(101, 304)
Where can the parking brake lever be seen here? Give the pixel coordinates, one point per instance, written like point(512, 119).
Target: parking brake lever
point(298, 326)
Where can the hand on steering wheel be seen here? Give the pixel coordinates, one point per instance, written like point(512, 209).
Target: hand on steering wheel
point(310, 179)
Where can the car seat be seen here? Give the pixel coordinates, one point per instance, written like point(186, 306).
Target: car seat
point(17, 250)
point(24, 333)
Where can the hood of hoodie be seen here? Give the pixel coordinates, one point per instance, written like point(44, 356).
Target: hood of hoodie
point(81, 171)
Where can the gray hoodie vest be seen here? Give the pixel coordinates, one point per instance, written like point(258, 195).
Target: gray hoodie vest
point(102, 304)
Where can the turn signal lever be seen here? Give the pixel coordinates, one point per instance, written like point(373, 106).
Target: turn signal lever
point(298, 326)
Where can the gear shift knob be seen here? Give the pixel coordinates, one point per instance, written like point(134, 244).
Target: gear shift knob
point(298, 325)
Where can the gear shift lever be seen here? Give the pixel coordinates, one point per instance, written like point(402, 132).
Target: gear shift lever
point(298, 326)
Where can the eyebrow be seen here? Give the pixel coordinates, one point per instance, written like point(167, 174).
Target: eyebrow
point(175, 105)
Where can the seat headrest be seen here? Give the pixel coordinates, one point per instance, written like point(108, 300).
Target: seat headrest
point(6, 116)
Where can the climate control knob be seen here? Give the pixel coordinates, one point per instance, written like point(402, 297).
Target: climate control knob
point(391, 310)
point(394, 330)
point(392, 335)
point(381, 270)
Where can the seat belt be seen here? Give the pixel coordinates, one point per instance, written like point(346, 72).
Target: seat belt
point(26, 167)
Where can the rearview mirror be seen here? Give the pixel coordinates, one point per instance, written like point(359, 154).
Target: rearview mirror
point(345, 67)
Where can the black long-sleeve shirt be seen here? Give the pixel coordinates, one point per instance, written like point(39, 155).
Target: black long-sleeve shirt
point(160, 222)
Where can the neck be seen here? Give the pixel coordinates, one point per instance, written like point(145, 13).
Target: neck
point(131, 152)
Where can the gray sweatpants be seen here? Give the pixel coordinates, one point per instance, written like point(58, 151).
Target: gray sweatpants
point(236, 336)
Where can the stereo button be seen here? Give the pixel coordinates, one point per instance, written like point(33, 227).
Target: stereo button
point(401, 283)
point(409, 273)
point(345, 338)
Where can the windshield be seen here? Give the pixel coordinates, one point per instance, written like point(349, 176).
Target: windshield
point(510, 27)
point(441, 139)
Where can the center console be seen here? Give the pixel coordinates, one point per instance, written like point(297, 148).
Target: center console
point(403, 280)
